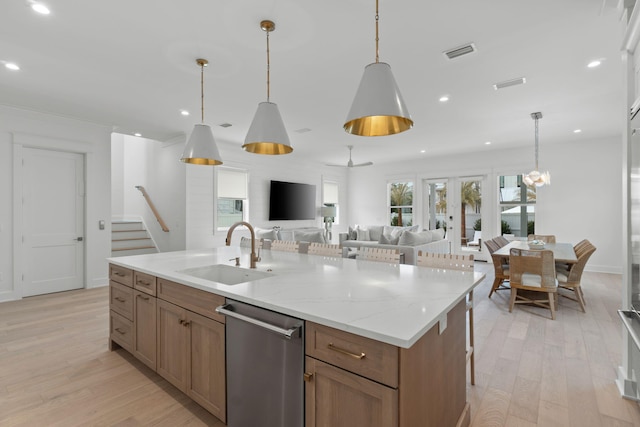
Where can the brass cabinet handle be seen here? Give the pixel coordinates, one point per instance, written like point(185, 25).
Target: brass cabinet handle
point(120, 331)
point(143, 297)
point(348, 353)
point(186, 323)
point(119, 299)
point(181, 321)
point(117, 273)
point(307, 377)
point(141, 282)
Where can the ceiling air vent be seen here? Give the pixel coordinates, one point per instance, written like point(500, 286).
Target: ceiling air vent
point(507, 83)
point(460, 51)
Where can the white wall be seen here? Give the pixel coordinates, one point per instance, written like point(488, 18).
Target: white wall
point(583, 202)
point(155, 166)
point(31, 129)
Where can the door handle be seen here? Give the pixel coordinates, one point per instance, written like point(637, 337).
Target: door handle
point(79, 239)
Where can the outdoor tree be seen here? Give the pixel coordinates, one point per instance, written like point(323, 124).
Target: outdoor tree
point(400, 194)
point(469, 195)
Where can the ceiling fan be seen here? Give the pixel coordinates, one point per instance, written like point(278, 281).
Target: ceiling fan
point(350, 163)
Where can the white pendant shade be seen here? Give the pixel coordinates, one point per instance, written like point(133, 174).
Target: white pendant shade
point(537, 179)
point(201, 148)
point(378, 108)
point(267, 134)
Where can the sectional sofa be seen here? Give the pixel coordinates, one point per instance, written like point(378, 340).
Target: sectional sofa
point(409, 240)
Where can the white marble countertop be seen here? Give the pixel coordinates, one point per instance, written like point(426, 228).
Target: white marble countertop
point(395, 304)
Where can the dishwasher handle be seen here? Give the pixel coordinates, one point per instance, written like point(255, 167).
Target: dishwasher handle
point(287, 333)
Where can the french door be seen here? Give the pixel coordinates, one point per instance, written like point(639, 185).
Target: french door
point(455, 203)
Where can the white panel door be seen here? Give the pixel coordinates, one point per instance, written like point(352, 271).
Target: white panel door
point(53, 221)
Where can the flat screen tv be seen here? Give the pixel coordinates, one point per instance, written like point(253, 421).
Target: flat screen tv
point(292, 201)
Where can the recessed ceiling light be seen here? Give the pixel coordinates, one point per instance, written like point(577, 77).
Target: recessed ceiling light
point(184, 112)
point(225, 125)
point(577, 131)
point(594, 64)
point(40, 8)
point(487, 143)
point(423, 151)
point(444, 98)
point(303, 130)
point(12, 66)
point(137, 134)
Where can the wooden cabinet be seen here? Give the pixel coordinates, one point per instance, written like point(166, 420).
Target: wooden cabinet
point(338, 398)
point(356, 381)
point(144, 328)
point(172, 344)
point(174, 330)
point(206, 366)
point(191, 355)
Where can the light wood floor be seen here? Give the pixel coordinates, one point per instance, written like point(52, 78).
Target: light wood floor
point(56, 369)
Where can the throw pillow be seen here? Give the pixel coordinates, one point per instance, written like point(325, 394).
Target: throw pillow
point(309, 236)
point(437, 234)
point(388, 239)
point(413, 238)
point(266, 233)
point(375, 231)
point(352, 235)
point(413, 228)
point(286, 235)
point(363, 234)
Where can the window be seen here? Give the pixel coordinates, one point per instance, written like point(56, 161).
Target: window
point(517, 206)
point(232, 193)
point(330, 198)
point(400, 203)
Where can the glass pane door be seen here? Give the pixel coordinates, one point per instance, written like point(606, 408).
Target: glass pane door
point(435, 210)
point(470, 217)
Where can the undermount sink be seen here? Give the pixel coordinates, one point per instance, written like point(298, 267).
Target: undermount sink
point(225, 274)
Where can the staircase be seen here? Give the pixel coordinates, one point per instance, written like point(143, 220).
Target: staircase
point(130, 238)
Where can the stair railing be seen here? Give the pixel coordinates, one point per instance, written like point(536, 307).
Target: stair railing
point(163, 225)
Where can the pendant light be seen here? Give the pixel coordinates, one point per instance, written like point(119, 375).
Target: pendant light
point(201, 148)
point(267, 134)
point(378, 108)
point(535, 178)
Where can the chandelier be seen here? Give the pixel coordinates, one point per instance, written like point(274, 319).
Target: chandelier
point(535, 178)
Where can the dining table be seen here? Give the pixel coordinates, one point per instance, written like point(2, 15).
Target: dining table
point(562, 252)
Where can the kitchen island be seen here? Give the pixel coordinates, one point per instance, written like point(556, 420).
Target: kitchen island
point(410, 319)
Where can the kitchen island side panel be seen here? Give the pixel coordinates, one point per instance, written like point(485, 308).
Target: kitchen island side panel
point(433, 375)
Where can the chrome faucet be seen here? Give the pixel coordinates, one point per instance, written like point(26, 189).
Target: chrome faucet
point(254, 257)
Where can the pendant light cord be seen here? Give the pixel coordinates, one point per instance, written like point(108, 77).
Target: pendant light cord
point(202, 92)
point(536, 149)
point(377, 38)
point(268, 69)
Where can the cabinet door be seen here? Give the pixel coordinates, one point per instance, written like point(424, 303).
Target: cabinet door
point(207, 384)
point(144, 328)
point(337, 398)
point(172, 344)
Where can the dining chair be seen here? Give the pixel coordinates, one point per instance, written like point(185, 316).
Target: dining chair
point(285, 246)
point(460, 263)
point(500, 267)
point(326, 249)
point(570, 275)
point(501, 240)
point(379, 254)
point(547, 238)
point(245, 242)
point(533, 271)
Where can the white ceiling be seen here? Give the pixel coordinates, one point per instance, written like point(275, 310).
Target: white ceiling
point(131, 64)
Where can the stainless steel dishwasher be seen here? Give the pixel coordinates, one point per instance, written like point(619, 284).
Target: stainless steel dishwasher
point(265, 363)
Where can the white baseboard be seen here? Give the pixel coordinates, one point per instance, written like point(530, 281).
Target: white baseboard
point(98, 283)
